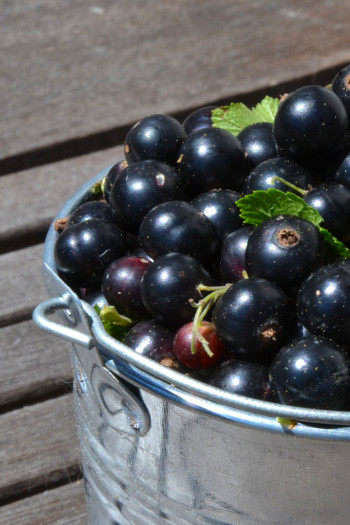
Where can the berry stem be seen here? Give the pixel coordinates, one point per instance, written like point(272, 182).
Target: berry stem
point(202, 308)
point(290, 185)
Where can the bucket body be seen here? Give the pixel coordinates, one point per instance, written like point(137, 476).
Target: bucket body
point(194, 468)
point(155, 452)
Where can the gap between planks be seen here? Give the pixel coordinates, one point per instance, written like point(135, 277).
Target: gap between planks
point(108, 138)
point(63, 505)
point(38, 448)
point(68, 74)
point(34, 365)
point(31, 199)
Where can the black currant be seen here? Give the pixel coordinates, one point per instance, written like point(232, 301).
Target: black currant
point(284, 249)
point(169, 286)
point(220, 208)
point(341, 87)
point(253, 314)
point(263, 176)
point(323, 302)
point(83, 251)
point(332, 201)
point(242, 377)
point(198, 119)
point(121, 286)
point(156, 137)
point(213, 158)
point(258, 142)
point(92, 210)
point(151, 339)
point(141, 186)
point(311, 126)
point(177, 226)
point(341, 172)
point(232, 255)
point(311, 372)
point(111, 176)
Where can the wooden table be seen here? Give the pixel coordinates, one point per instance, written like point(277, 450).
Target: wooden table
point(74, 77)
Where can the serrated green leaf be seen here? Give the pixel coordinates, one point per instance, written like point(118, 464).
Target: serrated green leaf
point(337, 246)
point(232, 118)
point(237, 116)
point(266, 110)
point(260, 205)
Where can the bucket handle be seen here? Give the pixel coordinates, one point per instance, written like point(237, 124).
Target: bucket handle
point(64, 303)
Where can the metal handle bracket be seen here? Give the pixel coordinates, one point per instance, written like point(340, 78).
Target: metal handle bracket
point(50, 306)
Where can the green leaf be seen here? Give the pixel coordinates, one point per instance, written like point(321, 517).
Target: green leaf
point(260, 205)
point(111, 315)
point(337, 246)
point(237, 116)
point(266, 110)
point(116, 325)
point(96, 189)
point(232, 118)
point(287, 423)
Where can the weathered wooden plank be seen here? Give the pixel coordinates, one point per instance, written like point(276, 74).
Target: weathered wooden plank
point(60, 506)
point(38, 447)
point(33, 364)
point(21, 283)
point(74, 70)
point(31, 198)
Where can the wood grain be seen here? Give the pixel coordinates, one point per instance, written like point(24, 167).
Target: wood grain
point(30, 199)
point(60, 506)
point(38, 447)
point(33, 364)
point(21, 283)
point(71, 70)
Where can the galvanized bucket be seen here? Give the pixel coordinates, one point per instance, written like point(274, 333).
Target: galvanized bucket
point(158, 447)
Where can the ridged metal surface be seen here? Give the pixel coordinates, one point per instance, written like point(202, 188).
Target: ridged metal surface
point(190, 468)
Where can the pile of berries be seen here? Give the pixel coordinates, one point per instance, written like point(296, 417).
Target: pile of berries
point(193, 247)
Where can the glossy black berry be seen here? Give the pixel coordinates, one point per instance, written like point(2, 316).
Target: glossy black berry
point(220, 208)
point(341, 87)
point(92, 210)
point(213, 158)
point(156, 137)
point(141, 186)
point(258, 142)
point(253, 314)
point(311, 372)
point(242, 377)
point(232, 255)
point(177, 226)
point(262, 177)
point(284, 249)
point(83, 251)
point(121, 285)
point(151, 339)
point(332, 201)
point(170, 285)
point(323, 302)
point(198, 119)
point(341, 172)
point(111, 176)
point(311, 125)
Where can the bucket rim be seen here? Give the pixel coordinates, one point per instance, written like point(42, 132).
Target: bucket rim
point(338, 420)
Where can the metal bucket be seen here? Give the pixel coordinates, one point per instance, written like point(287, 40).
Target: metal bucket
point(158, 447)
